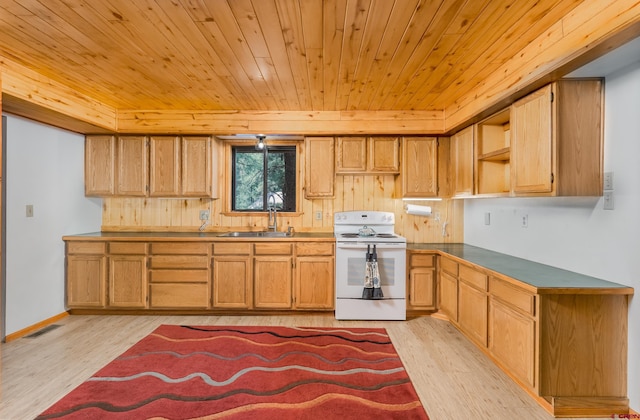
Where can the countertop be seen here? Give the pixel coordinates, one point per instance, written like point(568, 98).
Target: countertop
point(193, 236)
point(541, 278)
point(544, 278)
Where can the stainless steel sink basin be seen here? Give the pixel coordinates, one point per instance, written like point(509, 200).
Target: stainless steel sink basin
point(267, 234)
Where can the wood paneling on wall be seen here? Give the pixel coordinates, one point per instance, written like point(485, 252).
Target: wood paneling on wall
point(353, 192)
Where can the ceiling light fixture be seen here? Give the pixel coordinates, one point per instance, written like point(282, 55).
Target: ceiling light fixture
point(260, 143)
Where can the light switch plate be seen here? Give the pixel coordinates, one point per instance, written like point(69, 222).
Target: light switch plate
point(608, 200)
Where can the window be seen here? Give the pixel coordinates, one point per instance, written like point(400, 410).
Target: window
point(261, 177)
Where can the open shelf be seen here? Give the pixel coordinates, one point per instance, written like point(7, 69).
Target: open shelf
point(493, 155)
point(499, 155)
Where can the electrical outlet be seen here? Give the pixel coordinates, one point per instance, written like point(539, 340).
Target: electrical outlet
point(608, 200)
point(204, 214)
point(608, 181)
point(525, 221)
point(318, 215)
point(487, 218)
point(29, 210)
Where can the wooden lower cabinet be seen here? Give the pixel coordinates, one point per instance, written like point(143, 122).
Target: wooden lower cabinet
point(194, 275)
point(421, 285)
point(448, 288)
point(472, 303)
point(567, 350)
point(314, 276)
point(513, 340)
point(232, 282)
point(128, 287)
point(272, 279)
point(179, 275)
point(232, 275)
point(86, 271)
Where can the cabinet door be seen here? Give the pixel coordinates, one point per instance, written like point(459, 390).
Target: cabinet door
point(422, 288)
point(164, 170)
point(531, 143)
point(512, 340)
point(449, 296)
point(86, 277)
point(462, 157)
point(314, 285)
point(128, 281)
point(319, 172)
point(232, 280)
point(197, 167)
point(132, 163)
point(272, 282)
point(420, 167)
point(384, 154)
point(99, 165)
point(472, 312)
point(351, 156)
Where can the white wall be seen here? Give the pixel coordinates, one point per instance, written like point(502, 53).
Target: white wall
point(576, 233)
point(44, 168)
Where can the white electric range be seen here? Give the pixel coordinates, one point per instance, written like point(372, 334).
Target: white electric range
point(355, 232)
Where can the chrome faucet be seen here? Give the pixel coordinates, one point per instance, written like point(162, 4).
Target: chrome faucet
point(273, 212)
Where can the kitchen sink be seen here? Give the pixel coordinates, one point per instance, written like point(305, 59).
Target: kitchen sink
point(262, 234)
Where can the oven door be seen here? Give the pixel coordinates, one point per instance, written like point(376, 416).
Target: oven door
point(351, 259)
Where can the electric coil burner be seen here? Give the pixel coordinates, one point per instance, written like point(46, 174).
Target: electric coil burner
point(355, 231)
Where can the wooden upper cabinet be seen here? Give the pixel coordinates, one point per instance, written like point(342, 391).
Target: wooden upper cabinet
point(156, 166)
point(351, 155)
point(100, 165)
point(198, 167)
point(419, 167)
point(557, 140)
point(362, 155)
point(133, 166)
point(164, 156)
point(462, 162)
point(319, 178)
point(384, 154)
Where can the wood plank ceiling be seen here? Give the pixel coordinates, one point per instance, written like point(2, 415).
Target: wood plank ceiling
point(287, 55)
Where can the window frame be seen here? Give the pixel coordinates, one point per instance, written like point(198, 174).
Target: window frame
point(228, 177)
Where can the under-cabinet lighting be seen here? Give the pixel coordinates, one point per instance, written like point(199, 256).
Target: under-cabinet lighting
point(422, 199)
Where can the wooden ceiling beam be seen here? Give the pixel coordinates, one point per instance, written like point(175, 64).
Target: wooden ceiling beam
point(21, 86)
point(281, 122)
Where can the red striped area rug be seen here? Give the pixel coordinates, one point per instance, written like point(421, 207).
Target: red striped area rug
point(212, 372)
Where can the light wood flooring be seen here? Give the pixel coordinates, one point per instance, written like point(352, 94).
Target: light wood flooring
point(453, 379)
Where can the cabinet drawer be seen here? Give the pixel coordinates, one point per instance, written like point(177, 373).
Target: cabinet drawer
point(182, 248)
point(421, 260)
point(232, 248)
point(180, 261)
point(179, 295)
point(127, 248)
point(179, 276)
point(449, 266)
point(272, 248)
point(86, 247)
point(512, 295)
point(473, 277)
point(314, 248)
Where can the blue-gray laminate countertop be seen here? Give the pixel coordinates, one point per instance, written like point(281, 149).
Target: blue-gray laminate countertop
point(544, 278)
